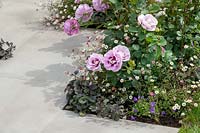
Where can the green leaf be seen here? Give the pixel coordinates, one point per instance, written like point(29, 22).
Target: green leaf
point(135, 47)
point(162, 42)
point(114, 1)
point(133, 29)
point(154, 8)
point(82, 100)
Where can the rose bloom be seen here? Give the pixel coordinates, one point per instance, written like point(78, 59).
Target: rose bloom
point(71, 27)
point(158, 0)
point(94, 62)
point(99, 6)
point(123, 51)
point(148, 22)
point(84, 12)
point(112, 61)
point(77, 1)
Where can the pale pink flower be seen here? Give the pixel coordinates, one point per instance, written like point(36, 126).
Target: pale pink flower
point(148, 22)
point(123, 51)
point(84, 12)
point(77, 1)
point(112, 61)
point(94, 62)
point(71, 26)
point(99, 5)
point(158, 0)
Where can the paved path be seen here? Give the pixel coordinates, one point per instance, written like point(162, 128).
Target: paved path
point(32, 83)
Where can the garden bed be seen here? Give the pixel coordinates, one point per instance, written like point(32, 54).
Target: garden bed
point(144, 67)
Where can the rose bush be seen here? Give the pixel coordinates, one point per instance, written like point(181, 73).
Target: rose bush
point(146, 64)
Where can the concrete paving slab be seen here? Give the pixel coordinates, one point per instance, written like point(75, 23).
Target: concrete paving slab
point(32, 83)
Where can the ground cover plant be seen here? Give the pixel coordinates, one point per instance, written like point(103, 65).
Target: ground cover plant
point(6, 49)
point(145, 66)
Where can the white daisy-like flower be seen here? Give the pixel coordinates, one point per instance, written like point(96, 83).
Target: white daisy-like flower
point(182, 114)
point(195, 104)
point(156, 92)
point(184, 104)
point(116, 41)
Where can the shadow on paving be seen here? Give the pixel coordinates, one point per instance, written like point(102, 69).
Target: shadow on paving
point(67, 46)
point(53, 80)
point(52, 77)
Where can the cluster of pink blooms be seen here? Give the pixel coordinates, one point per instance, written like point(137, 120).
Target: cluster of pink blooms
point(83, 13)
point(112, 60)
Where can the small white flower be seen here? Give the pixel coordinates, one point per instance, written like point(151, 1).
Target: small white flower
point(88, 78)
point(125, 34)
point(68, 16)
point(191, 58)
point(174, 107)
point(186, 46)
point(193, 86)
point(130, 78)
point(189, 91)
point(130, 97)
point(171, 68)
point(106, 46)
point(151, 80)
point(74, 8)
point(117, 27)
point(63, 17)
point(66, 6)
point(188, 101)
point(123, 89)
point(184, 104)
point(96, 77)
point(103, 90)
point(121, 80)
point(193, 82)
point(191, 64)
point(195, 57)
point(178, 107)
point(184, 69)
point(107, 85)
point(127, 26)
point(156, 92)
point(182, 114)
point(195, 104)
point(148, 65)
point(137, 77)
point(103, 45)
point(116, 41)
point(171, 63)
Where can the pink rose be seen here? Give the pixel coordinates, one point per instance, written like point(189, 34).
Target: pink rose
point(100, 6)
point(71, 26)
point(84, 12)
point(112, 61)
point(77, 1)
point(123, 51)
point(148, 22)
point(158, 0)
point(94, 62)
